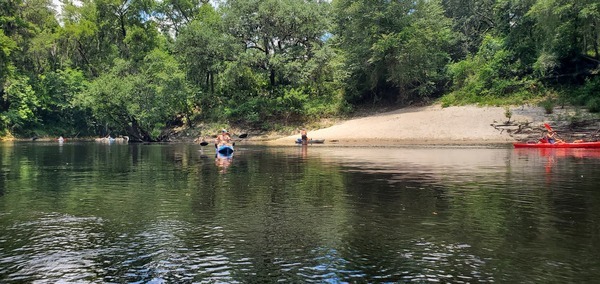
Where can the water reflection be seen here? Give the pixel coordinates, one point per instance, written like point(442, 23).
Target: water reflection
point(99, 213)
point(304, 148)
point(223, 161)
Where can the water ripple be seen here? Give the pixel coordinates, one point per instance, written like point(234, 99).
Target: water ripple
point(159, 214)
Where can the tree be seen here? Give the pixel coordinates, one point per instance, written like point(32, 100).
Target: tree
point(57, 91)
point(202, 47)
point(278, 33)
point(395, 50)
point(7, 45)
point(272, 74)
point(490, 72)
point(138, 101)
point(174, 15)
point(472, 20)
point(99, 31)
point(25, 28)
point(567, 30)
point(19, 105)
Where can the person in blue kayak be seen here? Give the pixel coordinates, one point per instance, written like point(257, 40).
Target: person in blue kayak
point(223, 139)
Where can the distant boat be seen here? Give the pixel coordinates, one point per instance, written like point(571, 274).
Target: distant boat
point(311, 141)
point(123, 139)
point(105, 139)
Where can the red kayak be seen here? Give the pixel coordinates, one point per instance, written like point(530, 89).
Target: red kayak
point(558, 145)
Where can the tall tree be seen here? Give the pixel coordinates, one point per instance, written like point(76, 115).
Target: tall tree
point(394, 49)
point(278, 43)
point(277, 32)
point(174, 15)
point(472, 20)
point(567, 30)
point(138, 100)
point(99, 31)
point(26, 31)
point(57, 91)
point(203, 47)
point(7, 45)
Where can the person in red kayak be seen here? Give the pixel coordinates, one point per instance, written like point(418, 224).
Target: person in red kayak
point(550, 138)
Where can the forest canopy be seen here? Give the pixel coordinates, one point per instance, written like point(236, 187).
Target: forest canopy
point(135, 67)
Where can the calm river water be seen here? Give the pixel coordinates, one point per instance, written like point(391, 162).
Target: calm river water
point(171, 213)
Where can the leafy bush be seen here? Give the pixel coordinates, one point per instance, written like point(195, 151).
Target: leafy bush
point(547, 105)
point(490, 77)
point(587, 95)
point(594, 105)
point(546, 64)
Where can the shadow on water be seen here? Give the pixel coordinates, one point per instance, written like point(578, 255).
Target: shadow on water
point(84, 212)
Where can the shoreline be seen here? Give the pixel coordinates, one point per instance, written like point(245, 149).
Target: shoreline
point(425, 125)
point(386, 143)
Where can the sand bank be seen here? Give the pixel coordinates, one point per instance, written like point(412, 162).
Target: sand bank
point(425, 125)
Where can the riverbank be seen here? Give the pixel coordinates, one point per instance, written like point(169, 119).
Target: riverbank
point(463, 125)
point(426, 125)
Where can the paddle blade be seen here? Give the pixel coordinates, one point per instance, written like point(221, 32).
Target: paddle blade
point(203, 143)
point(548, 126)
point(243, 135)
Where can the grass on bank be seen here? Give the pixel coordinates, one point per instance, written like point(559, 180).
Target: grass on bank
point(585, 96)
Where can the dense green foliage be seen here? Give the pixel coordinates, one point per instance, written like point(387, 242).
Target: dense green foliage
point(393, 49)
point(97, 67)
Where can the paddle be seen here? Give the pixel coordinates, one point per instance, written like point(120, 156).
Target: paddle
point(203, 143)
point(240, 137)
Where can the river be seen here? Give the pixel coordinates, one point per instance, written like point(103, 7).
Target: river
point(177, 213)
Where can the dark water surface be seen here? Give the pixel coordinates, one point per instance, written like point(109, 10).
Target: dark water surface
point(96, 213)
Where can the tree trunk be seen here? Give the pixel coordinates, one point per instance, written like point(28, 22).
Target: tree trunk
point(595, 40)
point(212, 82)
point(272, 78)
point(136, 133)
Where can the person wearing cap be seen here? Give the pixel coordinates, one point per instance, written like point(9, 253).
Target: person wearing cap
point(223, 139)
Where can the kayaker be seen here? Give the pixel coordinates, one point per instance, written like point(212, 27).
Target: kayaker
point(223, 139)
point(550, 138)
point(304, 136)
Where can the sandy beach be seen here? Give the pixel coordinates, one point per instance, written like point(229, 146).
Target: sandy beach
point(427, 125)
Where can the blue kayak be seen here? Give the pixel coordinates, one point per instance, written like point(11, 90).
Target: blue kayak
point(225, 149)
point(311, 141)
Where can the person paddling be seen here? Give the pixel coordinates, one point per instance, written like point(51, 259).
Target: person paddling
point(550, 137)
point(223, 139)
